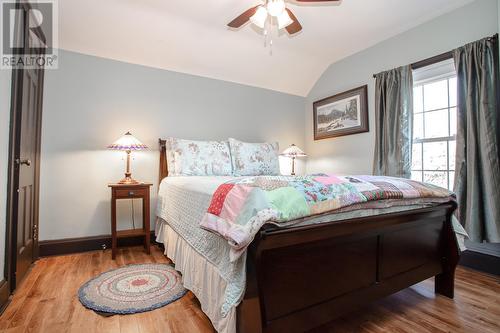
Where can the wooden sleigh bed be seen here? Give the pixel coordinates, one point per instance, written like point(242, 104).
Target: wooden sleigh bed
point(299, 278)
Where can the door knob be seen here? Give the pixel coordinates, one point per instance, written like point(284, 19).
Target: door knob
point(25, 162)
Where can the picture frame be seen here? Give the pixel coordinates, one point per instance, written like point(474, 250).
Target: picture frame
point(341, 114)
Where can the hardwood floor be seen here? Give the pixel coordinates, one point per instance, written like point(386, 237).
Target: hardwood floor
point(46, 302)
point(475, 309)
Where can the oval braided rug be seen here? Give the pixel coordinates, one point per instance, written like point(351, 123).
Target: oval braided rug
point(132, 289)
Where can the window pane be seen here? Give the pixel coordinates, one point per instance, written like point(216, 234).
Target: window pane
point(416, 175)
point(436, 95)
point(436, 124)
point(453, 121)
point(417, 99)
point(435, 157)
point(437, 178)
point(416, 158)
point(452, 150)
point(453, 91)
point(418, 126)
point(452, 179)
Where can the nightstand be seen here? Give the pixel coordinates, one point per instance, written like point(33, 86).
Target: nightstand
point(130, 191)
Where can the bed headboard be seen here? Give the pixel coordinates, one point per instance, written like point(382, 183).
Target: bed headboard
point(163, 160)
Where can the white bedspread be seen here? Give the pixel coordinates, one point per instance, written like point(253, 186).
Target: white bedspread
point(182, 203)
point(208, 286)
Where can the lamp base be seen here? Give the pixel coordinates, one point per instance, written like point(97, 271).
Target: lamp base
point(128, 180)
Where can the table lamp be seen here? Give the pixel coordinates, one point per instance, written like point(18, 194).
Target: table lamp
point(127, 143)
point(293, 152)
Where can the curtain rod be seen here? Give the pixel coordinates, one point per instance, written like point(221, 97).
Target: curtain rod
point(438, 58)
point(429, 61)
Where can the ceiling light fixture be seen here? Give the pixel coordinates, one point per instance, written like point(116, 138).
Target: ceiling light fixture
point(284, 20)
point(272, 13)
point(260, 17)
point(275, 7)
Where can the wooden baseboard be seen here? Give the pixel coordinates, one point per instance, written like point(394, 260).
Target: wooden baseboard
point(480, 262)
point(4, 295)
point(84, 244)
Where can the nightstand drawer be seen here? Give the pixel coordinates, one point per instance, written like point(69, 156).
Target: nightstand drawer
point(131, 193)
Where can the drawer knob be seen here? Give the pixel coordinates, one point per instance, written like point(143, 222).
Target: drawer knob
point(130, 193)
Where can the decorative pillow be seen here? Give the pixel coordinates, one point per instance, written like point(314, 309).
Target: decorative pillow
point(170, 157)
point(199, 158)
point(254, 159)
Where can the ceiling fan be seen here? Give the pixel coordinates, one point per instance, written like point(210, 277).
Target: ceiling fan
point(272, 11)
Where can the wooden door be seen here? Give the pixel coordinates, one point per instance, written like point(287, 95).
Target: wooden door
point(24, 164)
point(27, 222)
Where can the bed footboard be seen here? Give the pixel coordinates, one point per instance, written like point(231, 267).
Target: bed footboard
point(303, 277)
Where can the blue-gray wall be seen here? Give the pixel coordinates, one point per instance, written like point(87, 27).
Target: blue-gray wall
point(354, 153)
point(89, 102)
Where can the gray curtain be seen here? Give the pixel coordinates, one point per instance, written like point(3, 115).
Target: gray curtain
point(477, 176)
point(393, 122)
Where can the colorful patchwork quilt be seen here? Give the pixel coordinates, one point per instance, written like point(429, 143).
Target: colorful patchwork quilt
point(240, 207)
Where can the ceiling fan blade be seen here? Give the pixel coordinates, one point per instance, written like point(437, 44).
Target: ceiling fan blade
point(295, 26)
point(243, 18)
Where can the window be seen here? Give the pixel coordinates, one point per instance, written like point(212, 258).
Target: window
point(434, 124)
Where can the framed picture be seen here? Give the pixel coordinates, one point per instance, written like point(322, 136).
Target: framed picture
point(341, 114)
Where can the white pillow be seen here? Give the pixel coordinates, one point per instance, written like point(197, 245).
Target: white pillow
point(198, 158)
point(254, 159)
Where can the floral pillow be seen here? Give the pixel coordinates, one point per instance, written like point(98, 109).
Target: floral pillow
point(198, 158)
point(170, 157)
point(254, 159)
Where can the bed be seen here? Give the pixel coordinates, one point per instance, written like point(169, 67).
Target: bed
point(298, 277)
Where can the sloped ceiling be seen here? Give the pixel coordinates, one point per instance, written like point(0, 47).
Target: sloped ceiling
point(190, 36)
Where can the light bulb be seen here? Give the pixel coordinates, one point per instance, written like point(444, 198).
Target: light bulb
point(284, 20)
point(260, 17)
point(276, 7)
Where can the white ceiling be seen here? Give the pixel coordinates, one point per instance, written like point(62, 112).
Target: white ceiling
point(190, 36)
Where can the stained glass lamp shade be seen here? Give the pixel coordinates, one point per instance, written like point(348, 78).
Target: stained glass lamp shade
point(293, 152)
point(127, 143)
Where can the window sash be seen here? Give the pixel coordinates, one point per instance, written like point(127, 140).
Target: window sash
point(438, 139)
point(446, 139)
